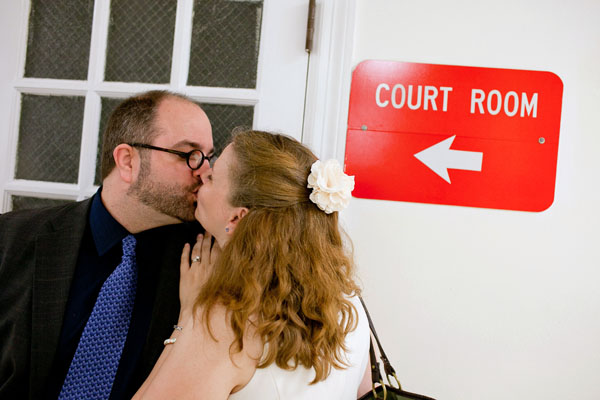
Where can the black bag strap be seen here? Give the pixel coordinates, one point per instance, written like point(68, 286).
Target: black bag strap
point(387, 366)
point(375, 372)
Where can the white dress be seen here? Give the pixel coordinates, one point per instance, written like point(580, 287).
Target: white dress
point(272, 382)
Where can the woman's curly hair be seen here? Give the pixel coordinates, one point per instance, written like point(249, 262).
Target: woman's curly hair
point(286, 267)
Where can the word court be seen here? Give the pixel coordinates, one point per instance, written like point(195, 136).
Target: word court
point(426, 97)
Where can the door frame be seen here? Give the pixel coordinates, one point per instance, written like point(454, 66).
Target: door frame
point(325, 103)
point(329, 76)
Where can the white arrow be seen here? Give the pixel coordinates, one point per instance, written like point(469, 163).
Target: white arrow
point(439, 158)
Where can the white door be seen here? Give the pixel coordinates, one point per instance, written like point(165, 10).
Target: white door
point(66, 64)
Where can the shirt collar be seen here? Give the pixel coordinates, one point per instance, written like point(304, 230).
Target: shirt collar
point(106, 231)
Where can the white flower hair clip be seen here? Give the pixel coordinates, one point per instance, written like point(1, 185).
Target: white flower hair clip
point(331, 187)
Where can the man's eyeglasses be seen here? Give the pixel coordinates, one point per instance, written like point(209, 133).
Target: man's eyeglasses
point(194, 158)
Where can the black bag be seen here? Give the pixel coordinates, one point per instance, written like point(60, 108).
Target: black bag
point(385, 391)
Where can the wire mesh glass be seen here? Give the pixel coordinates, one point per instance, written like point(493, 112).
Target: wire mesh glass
point(58, 42)
point(225, 117)
point(225, 43)
point(26, 203)
point(108, 105)
point(49, 138)
point(140, 41)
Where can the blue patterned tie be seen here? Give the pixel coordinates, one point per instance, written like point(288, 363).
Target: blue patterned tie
point(96, 359)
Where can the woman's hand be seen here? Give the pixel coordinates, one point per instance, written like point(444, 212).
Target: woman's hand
point(195, 273)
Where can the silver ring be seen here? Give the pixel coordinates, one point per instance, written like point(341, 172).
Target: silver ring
point(196, 259)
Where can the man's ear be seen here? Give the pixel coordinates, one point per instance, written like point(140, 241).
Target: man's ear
point(236, 217)
point(125, 162)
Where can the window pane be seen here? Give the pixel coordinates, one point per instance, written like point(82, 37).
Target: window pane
point(58, 43)
point(140, 41)
point(23, 202)
point(225, 117)
point(108, 105)
point(49, 138)
point(225, 42)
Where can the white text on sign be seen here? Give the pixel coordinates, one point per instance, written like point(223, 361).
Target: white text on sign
point(425, 97)
point(399, 96)
point(510, 105)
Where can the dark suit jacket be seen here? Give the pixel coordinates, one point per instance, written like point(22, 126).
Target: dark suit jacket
point(38, 255)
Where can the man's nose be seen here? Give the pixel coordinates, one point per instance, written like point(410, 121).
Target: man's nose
point(200, 172)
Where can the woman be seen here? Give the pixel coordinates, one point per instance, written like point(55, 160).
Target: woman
point(274, 314)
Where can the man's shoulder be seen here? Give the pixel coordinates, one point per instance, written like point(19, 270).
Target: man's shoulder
point(34, 219)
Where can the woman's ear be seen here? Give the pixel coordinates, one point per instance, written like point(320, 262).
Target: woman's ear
point(236, 217)
point(124, 162)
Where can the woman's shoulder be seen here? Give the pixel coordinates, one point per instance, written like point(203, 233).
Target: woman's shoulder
point(214, 332)
point(202, 362)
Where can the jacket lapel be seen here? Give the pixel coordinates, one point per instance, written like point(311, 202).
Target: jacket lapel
point(55, 258)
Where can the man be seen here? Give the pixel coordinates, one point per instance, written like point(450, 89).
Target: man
point(56, 263)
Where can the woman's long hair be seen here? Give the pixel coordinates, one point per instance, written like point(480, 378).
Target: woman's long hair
point(286, 267)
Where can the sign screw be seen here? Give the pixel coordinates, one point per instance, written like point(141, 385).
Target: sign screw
point(542, 140)
point(364, 127)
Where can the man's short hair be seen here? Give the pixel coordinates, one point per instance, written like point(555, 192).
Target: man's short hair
point(132, 121)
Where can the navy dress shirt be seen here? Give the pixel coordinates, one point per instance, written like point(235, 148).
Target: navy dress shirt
point(99, 255)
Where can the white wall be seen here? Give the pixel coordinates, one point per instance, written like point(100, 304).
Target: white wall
point(489, 304)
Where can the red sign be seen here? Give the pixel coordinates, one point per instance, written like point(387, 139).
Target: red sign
point(477, 137)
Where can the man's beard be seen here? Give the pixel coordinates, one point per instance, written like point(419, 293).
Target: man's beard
point(169, 199)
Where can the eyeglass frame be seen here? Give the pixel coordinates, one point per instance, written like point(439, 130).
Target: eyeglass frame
point(182, 154)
